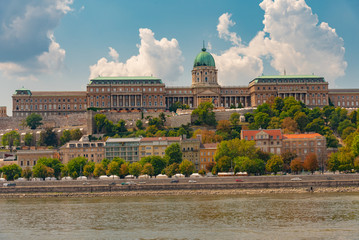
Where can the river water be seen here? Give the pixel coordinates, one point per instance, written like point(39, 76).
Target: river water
point(269, 216)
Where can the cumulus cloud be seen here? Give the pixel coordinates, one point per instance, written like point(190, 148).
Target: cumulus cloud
point(292, 38)
point(161, 58)
point(27, 43)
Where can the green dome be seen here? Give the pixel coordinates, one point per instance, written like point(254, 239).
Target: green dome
point(204, 59)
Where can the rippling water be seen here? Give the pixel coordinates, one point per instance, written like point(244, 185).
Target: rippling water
point(278, 216)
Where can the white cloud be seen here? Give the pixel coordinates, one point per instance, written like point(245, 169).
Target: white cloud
point(161, 58)
point(27, 45)
point(114, 54)
point(292, 38)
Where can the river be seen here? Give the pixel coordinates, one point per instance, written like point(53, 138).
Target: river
point(267, 216)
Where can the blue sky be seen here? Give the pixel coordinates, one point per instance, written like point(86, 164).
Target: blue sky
point(50, 45)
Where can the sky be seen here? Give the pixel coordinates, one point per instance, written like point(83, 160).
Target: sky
point(58, 45)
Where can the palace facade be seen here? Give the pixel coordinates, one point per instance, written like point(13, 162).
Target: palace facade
point(150, 93)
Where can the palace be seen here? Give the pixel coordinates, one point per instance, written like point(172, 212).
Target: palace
point(150, 93)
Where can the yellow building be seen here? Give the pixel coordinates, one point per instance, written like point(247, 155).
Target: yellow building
point(190, 150)
point(207, 152)
point(156, 146)
point(93, 151)
point(29, 158)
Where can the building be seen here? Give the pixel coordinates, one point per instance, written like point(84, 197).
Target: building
point(29, 158)
point(147, 93)
point(156, 146)
point(267, 140)
point(3, 111)
point(191, 150)
point(93, 151)
point(207, 152)
point(125, 148)
point(25, 102)
point(304, 144)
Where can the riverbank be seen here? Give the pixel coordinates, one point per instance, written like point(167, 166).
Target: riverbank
point(185, 192)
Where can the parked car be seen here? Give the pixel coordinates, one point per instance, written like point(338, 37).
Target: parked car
point(239, 180)
point(296, 179)
point(192, 181)
point(174, 181)
point(9, 184)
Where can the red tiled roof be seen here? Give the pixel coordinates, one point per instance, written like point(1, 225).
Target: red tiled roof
point(303, 135)
point(209, 145)
point(252, 133)
point(150, 139)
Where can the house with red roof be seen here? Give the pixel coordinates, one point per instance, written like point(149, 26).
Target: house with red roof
point(268, 140)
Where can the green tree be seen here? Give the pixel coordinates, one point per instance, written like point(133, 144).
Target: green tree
point(139, 124)
point(33, 120)
point(89, 169)
point(11, 139)
point(173, 153)
point(157, 162)
point(224, 164)
point(48, 138)
point(302, 120)
point(274, 164)
point(172, 169)
point(99, 170)
point(135, 169)
point(287, 159)
point(52, 163)
point(236, 147)
point(148, 169)
point(333, 162)
point(261, 120)
point(186, 167)
point(332, 141)
point(76, 166)
point(65, 137)
point(42, 171)
point(11, 172)
point(204, 114)
point(274, 123)
point(26, 173)
point(113, 168)
point(355, 146)
point(251, 166)
point(234, 118)
point(28, 139)
point(76, 134)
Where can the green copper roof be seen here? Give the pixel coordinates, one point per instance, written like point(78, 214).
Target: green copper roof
point(204, 59)
point(125, 80)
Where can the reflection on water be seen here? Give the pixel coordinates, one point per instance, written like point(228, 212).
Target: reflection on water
point(294, 216)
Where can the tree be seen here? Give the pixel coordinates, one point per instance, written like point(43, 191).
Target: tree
point(124, 169)
point(139, 124)
point(224, 164)
point(113, 168)
point(76, 166)
point(249, 165)
point(89, 169)
point(148, 169)
point(173, 153)
point(28, 139)
point(302, 120)
point(261, 120)
point(296, 165)
point(289, 125)
point(26, 173)
point(48, 138)
point(274, 123)
point(172, 169)
point(186, 167)
point(311, 162)
point(204, 114)
point(333, 162)
point(11, 139)
point(158, 163)
point(234, 118)
point(135, 169)
point(42, 171)
point(236, 147)
point(224, 129)
point(207, 136)
point(53, 163)
point(210, 166)
point(11, 172)
point(76, 134)
point(33, 120)
point(287, 159)
point(66, 137)
point(99, 170)
point(274, 164)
